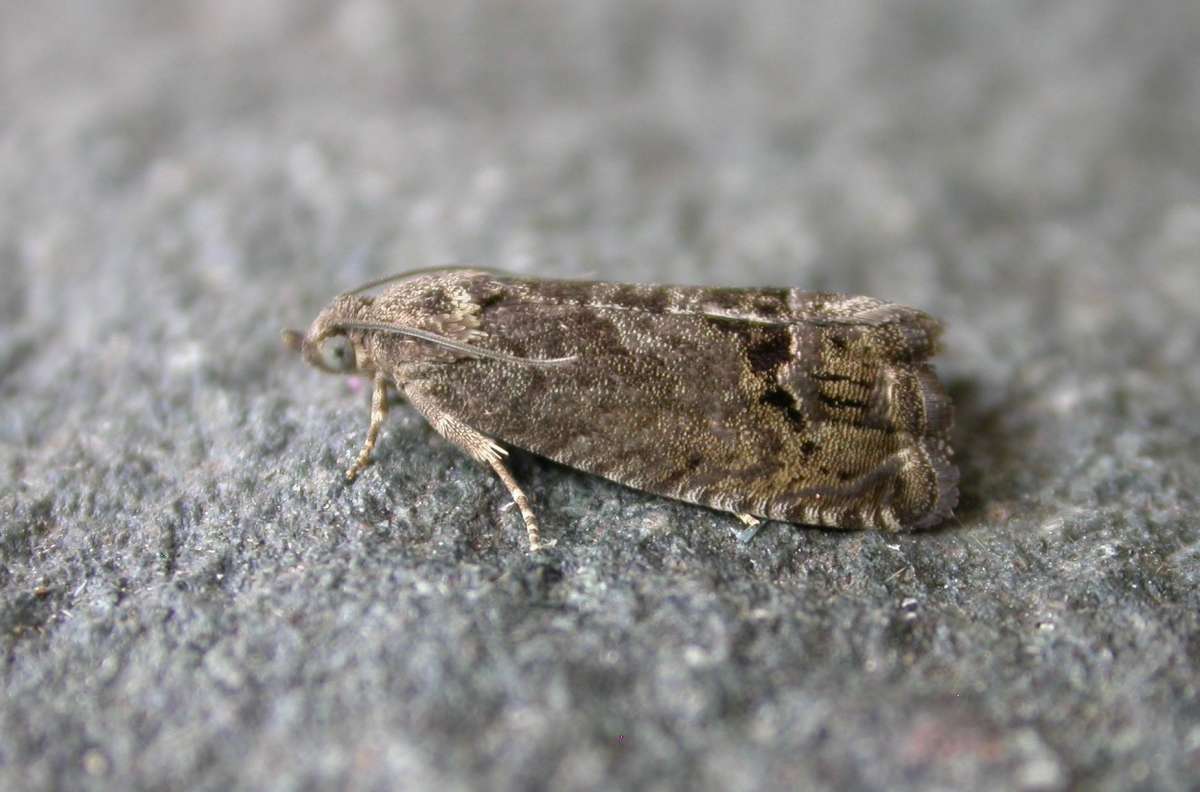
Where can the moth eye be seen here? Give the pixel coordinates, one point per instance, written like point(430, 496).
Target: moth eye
point(337, 353)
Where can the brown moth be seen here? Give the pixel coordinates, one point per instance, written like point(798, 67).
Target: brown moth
point(782, 404)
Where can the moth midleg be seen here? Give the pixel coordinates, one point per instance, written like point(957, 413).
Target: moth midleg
point(379, 411)
point(481, 448)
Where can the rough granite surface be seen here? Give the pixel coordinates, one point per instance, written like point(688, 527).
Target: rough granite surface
point(191, 598)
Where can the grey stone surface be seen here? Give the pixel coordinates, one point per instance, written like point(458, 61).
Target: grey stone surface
point(189, 598)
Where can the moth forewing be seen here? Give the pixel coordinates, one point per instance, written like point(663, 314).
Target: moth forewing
point(804, 407)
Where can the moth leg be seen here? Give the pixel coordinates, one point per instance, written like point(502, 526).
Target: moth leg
point(518, 496)
point(752, 525)
point(482, 449)
point(379, 411)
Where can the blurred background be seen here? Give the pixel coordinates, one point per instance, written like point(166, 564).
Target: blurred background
point(187, 595)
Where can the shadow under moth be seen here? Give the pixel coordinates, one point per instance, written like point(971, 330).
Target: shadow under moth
point(779, 404)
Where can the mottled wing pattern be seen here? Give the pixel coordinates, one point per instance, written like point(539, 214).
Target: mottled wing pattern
point(797, 406)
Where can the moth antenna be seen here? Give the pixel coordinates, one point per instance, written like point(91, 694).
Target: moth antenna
point(448, 343)
point(420, 271)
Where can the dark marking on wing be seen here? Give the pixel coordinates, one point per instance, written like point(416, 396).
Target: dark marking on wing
point(767, 350)
point(833, 401)
point(768, 306)
point(778, 397)
point(641, 298)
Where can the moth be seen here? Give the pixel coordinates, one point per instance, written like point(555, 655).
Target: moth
point(771, 403)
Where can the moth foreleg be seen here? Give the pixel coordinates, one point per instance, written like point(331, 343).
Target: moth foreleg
point(483, 449)
point(379, 411)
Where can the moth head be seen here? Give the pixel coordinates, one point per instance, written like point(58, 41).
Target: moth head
point(328, 345)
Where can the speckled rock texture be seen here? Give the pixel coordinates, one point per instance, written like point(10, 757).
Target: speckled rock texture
point(191, 598)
